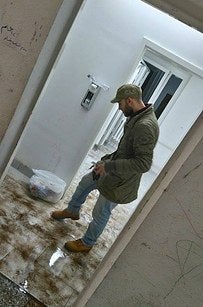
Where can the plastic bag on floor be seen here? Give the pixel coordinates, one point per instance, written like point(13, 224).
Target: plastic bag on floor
point(47, 186)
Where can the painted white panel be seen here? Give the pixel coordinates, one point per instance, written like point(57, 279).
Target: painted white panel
point(161, 156)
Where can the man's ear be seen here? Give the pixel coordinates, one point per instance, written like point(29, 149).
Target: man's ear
point(129, 101)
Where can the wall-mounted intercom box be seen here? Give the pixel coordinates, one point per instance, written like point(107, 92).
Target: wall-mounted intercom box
point(90, 95)
point(92, 92)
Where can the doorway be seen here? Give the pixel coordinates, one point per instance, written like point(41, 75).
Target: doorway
point(159, 79)
point(46, 239)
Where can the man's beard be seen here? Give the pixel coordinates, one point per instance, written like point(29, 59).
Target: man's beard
point(128, 111)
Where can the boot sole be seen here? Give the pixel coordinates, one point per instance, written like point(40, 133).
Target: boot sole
point(62, 218)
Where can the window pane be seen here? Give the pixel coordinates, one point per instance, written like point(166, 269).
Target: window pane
point(166, 94)
point(151, 81)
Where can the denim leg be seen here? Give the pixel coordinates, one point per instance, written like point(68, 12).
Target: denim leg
point(101, 215)
point(85, 186)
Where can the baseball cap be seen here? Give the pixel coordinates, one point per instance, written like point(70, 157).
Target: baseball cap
point(128, 90)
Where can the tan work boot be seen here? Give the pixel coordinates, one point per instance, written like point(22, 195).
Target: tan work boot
point(77, 246)
point(64, 214)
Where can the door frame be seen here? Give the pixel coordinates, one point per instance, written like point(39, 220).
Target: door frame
point(10, 143)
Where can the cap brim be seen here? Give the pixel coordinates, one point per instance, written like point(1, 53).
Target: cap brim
point(114, 100)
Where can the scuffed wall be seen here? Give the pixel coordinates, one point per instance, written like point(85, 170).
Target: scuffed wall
point(24, 26)
point(163, 263)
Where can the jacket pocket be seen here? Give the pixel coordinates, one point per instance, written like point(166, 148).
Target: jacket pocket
point(110, 181)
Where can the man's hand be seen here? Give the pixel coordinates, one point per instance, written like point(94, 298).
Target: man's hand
point(99, 169)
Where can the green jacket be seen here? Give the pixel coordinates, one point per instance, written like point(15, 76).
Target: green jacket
point(132, 158)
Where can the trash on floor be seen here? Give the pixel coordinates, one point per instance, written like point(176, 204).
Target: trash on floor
point(47, 186)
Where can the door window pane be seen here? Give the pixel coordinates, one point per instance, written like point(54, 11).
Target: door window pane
point(166, 94)
point(151, 81)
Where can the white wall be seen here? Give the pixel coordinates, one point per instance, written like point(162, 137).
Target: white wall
point(105, 41)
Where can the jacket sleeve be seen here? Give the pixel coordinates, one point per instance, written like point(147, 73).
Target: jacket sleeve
point(141, 160)
point(107, 156)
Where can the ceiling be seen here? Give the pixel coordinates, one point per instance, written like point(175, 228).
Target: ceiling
point(187, 11)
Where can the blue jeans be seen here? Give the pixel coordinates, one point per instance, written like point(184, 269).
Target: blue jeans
point(100, 214)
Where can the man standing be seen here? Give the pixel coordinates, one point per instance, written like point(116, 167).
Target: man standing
point(117, 176)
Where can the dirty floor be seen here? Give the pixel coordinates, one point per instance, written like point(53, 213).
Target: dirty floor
point(32, 253)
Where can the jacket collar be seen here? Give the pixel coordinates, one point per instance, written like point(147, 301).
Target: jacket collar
point(142, 110)
point(148, 109)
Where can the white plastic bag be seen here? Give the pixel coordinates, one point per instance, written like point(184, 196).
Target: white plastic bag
point(47, 186)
